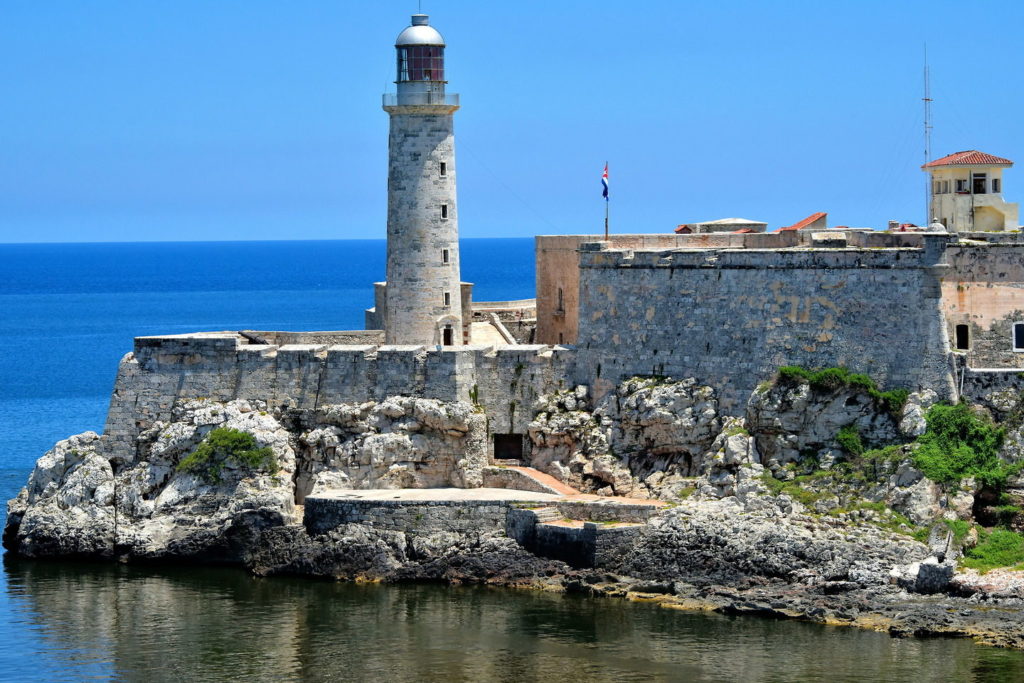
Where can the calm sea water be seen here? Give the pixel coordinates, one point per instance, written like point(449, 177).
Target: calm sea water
point(67, 315)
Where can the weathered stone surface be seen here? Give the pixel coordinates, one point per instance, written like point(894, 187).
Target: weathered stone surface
point(639, 440)
point(793, 421)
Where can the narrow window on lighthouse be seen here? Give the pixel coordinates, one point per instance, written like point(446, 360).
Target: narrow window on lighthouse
point(447, 299)
point(444, 169)
point(445, 258)
point(444, 211)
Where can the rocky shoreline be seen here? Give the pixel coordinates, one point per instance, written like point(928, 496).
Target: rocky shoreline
point(761, 519)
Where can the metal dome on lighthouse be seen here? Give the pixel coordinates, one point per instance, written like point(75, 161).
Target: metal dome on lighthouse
point(421, 302)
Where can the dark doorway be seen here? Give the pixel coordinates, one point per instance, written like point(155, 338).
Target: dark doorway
point(447, 333)
point(1018, 336)
point(508, 447)
point(963, 337)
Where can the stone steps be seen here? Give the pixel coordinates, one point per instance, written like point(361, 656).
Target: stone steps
point(550, 514)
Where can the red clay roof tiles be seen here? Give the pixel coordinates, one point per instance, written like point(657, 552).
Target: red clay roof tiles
point(970, 157)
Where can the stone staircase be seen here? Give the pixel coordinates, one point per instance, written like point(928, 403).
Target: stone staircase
point(517, 476)
point(548, 514)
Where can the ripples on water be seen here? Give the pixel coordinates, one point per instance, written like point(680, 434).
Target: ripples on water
point(73, 621)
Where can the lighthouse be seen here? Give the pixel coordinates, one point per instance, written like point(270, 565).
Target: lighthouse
point(422, 300)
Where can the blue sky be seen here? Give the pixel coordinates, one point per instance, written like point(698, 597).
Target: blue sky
point(251, 119)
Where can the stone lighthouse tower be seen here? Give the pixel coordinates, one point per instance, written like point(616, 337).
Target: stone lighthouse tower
point(422, 299)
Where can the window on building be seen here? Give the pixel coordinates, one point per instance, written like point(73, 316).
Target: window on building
point(560, 338)
point(945, 187)
point(963, 337)
point(445, 258)
point(937, 187)
point(961, 185)
point(444, 211)
point(979, 181)
point(447, 299)
point(1018, 336)
point(561, 305)
point(447, 336)
point(444, 169)
point(996, 189)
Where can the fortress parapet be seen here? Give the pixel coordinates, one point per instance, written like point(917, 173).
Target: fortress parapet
point(503, 380)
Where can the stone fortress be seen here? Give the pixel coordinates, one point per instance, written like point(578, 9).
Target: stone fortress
point(939, 309)
point(573, 426)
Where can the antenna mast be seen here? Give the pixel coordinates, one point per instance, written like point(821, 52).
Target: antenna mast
point(927, 137)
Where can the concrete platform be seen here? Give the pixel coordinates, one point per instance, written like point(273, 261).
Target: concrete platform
point(452, 494)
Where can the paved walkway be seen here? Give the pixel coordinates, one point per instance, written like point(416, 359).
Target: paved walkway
point(420, 495)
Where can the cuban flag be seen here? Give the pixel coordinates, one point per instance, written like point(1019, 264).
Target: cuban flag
point(604, 182)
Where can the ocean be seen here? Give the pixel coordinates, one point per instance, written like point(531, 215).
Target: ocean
point(68, 313)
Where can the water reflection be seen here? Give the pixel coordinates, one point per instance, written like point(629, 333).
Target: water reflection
point(76, 621)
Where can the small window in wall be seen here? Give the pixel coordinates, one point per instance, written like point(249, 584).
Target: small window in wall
point(447, 299)
point(560, 338)
point(444, 168)
point(445, 256)
point(447, 336)
point(444, 211)
point(996, 186)
point(963, 337)
point(561, 304)
point(961, 185)
point(945, 187)
point(980, 180)
point(1018, 336)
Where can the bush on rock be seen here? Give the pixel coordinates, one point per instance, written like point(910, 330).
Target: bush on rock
point(223, 447)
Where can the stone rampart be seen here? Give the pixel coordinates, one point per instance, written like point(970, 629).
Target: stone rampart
point(504, 380)
point(457, 516)
point(731, 317)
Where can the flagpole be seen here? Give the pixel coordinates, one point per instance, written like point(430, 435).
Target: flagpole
point(606, 201)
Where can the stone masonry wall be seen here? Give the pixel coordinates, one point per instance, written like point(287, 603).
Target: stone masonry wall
point(503, 381)
point(730, 318)
point(984, 290)
point(458, 516)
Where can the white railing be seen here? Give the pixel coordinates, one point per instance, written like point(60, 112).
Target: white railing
point(394, 100)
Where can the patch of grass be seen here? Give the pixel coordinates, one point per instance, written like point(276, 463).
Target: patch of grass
point(921, 534)
point(958, 444)
point(1006, 514)
point(959, 527)
point(686, 492)
point(998, 548)
point(737, 429)
point(849, 440)
point(224, 446)
point(793, 489)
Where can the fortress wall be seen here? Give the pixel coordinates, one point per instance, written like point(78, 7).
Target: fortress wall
point(459, 516)
point(504, 381)
point(984, 290)
point(730, 318)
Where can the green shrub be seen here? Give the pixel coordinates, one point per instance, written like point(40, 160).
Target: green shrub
point(832, 379)
point(224, 446)
point(1000, 548)
point(849, 440)
point(960, 444)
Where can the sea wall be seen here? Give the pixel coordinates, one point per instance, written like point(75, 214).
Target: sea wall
point(729, 318)
point(503, 381)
